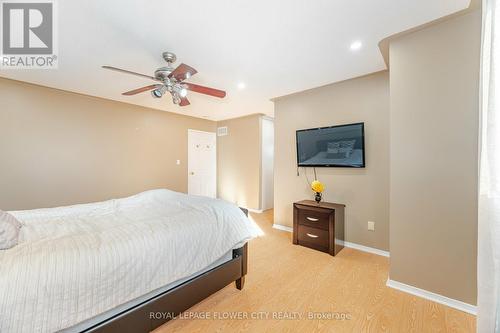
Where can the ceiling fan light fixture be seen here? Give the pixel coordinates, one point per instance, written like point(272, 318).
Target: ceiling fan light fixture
point(176, 99)
point(180, 90)
point(156, 93)
point(183, 93)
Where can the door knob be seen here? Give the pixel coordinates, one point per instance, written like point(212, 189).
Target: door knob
point(191, 173)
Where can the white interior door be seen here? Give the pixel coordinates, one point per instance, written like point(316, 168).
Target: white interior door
point(202, 163)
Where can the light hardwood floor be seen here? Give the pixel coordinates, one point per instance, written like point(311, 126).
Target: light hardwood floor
point(284, 279)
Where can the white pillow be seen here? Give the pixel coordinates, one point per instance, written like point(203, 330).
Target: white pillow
point(9, 230)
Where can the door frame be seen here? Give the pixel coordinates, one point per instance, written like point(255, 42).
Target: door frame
point(187, 164)
point(263, 184)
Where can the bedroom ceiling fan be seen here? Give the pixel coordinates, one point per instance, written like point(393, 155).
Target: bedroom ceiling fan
point(171, 80)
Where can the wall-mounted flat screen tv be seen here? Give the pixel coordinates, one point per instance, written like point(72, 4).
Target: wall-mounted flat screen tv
point(335, 146)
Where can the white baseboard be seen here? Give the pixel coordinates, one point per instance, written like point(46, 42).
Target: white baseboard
point(453, 303)
point(282, 227)
point(366, 249)
point(346, 244)
point(258, 211)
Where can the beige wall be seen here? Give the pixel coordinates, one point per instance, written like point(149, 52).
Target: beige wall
point(434, 130)
point(239, 161)
point(60, 148)
point(364, 191)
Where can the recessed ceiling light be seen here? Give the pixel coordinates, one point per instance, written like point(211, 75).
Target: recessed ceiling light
point(356, 45)
point(242, 85)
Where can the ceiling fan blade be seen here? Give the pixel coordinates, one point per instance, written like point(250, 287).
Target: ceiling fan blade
point(205, 90)
point(143, 89)
point(129, 72)
point(184, 102)
point(182, 72)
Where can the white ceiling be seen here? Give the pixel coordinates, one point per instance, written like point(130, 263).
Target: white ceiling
point(276, 47)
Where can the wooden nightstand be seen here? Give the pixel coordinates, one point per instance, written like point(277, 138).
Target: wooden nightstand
point(319, 226)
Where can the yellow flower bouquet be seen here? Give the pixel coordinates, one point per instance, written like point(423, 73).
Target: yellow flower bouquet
point(317, 187)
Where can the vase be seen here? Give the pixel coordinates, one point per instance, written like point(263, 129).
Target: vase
point(317, 197)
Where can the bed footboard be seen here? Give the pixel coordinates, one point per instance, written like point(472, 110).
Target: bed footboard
point(154, 312)
point(158, 310)
point(243, 253)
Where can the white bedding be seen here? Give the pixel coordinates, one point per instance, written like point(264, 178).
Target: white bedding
point(74, 263)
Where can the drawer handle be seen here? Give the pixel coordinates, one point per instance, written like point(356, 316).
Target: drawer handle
point(312, 236)
point(312, 219)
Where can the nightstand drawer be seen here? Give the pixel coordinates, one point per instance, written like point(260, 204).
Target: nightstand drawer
point(314, 219)
point(314, 238)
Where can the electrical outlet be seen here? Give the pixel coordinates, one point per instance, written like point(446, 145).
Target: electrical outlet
point(371, 225)
point(178, 162)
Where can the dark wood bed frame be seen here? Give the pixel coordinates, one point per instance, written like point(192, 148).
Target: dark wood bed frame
point(154, 312)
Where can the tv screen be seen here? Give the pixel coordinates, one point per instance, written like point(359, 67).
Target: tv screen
point(334, 146)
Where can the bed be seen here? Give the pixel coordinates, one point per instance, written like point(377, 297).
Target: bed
point(124, 265)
